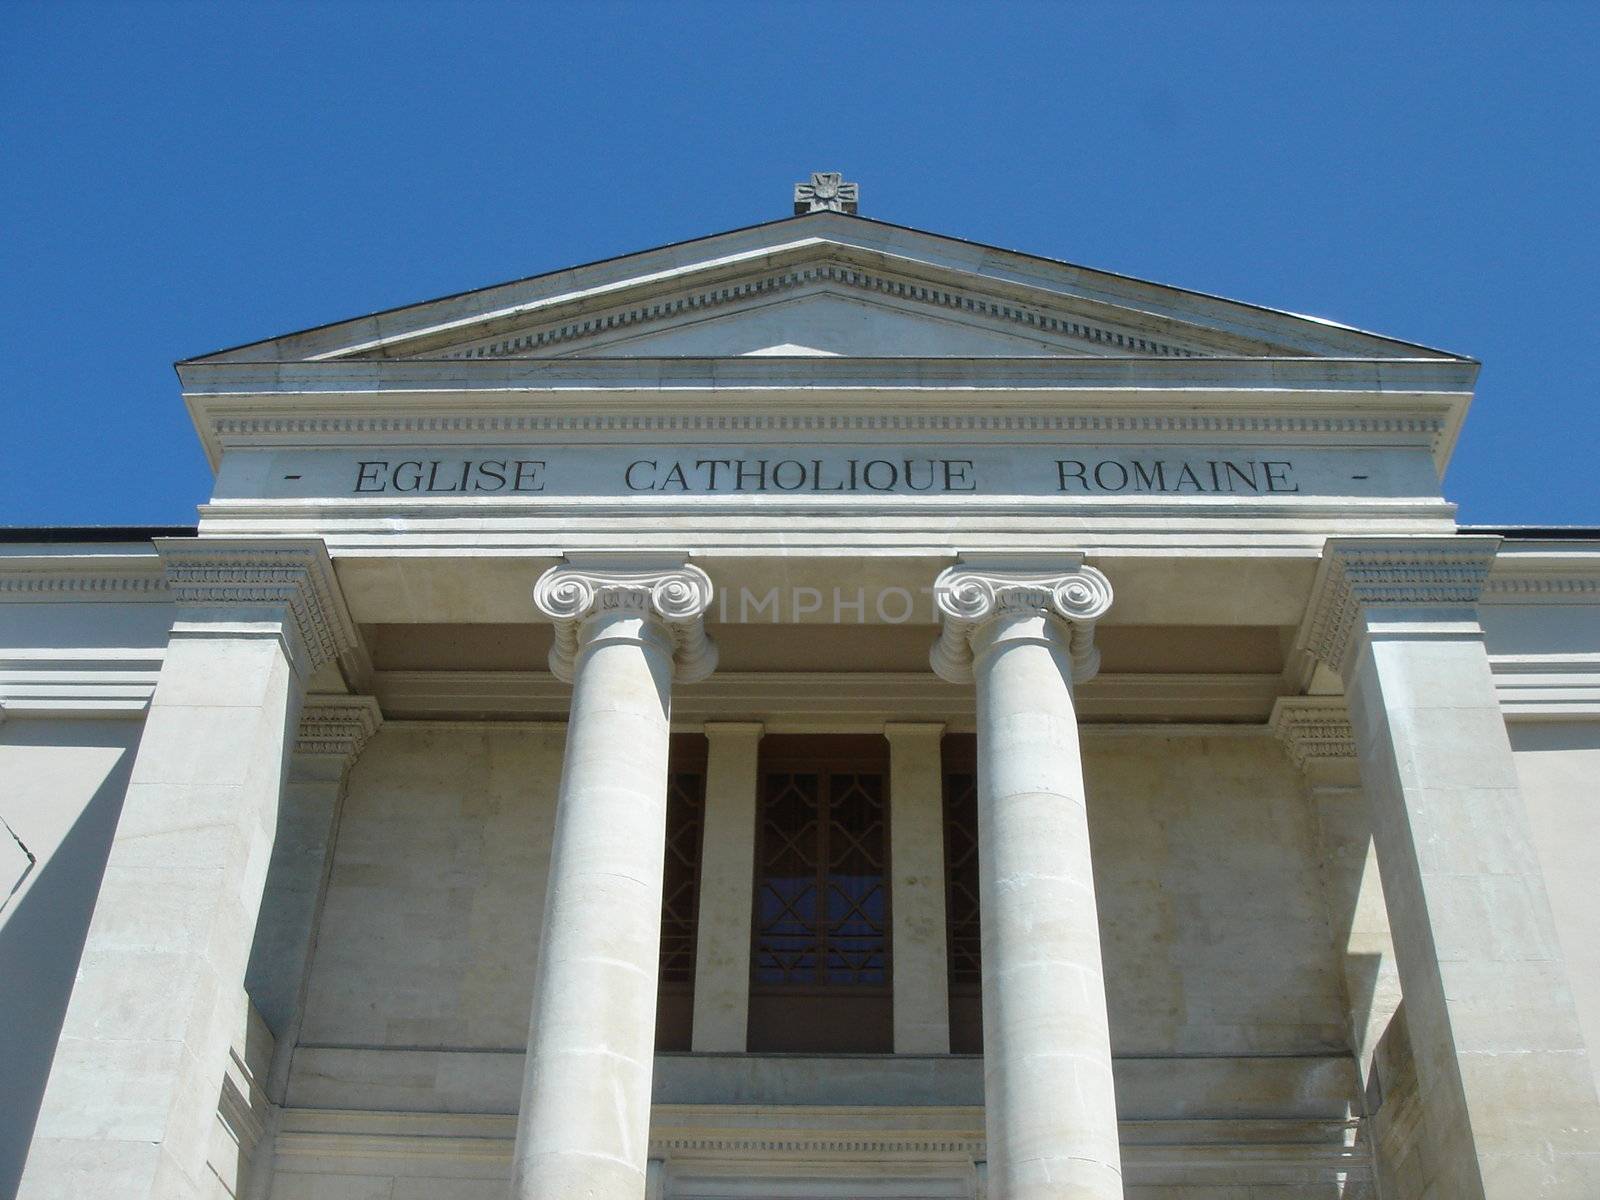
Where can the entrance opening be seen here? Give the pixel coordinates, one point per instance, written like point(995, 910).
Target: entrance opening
point(821, 971)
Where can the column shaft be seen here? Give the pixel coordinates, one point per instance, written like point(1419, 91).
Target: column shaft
point(585, 1120)
point(916, 857)
point(1050, 1105)
point(727, 887)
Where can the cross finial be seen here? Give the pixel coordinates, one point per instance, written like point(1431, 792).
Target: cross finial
point(827, 192)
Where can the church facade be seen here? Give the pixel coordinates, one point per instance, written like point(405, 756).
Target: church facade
point(819, 710)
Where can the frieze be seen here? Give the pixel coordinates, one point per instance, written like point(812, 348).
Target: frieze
point(531, 471)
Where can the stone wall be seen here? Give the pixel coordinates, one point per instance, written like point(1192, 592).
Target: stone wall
point(1558, 765)
point(1226, 1004)
point(61, 788)
point(429, 932)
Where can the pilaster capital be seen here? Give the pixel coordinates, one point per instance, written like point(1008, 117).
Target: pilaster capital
point(971, 594)
point(1357, 574)
point(675, 593)
point(337, 726)
point(289, 582)
point(1313, 729)
point(930, 731)
point(744, 730)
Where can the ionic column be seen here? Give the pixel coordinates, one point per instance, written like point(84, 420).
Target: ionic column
point(624, 633)
point(132, 1098)
point(1508, 1101)
point(1025, 636)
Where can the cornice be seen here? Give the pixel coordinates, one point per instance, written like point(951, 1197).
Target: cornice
point(83, 578)
point(858, 701)
point(730, 257)
point(722, 423)
point(1542, 573)
point(676, 595)
point(79, 682)
point(1035, 318)
point(1313, 729)
point(337, 726)
point(1414, 401)
point(398, 377)
point(1563, 686)
point(294, 577)
point(971, 595)
point(1418, 574)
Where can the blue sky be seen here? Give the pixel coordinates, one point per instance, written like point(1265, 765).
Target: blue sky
point(178, 178)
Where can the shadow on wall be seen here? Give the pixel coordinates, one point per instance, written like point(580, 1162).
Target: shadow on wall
point(43, 926)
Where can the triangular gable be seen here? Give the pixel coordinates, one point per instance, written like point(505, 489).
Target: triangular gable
point(826, 283)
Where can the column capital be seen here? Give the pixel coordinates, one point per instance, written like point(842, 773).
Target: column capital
point(1313, 729)
point(289, 581)
point(674, 593)
point(1422, 574)
point(337, 726)
point(970, 594)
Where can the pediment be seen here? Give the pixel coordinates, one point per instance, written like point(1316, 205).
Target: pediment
point(826, 285)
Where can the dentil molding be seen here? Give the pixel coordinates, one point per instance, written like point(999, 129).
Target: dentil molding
point(677, 596)
point(968, 596)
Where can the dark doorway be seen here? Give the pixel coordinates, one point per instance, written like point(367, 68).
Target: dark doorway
point(821, 972)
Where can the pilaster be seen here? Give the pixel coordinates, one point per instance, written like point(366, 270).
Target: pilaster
point(1315, 733)
point(332, 732)
point(1508, 1100)
point(727, 887)
point(916, 858)
point(133, 1092)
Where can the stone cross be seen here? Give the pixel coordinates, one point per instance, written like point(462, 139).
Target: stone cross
point(827, 192)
